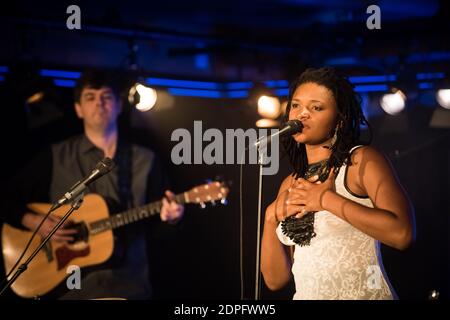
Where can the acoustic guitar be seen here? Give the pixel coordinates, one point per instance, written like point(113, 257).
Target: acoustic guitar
point(93, 243)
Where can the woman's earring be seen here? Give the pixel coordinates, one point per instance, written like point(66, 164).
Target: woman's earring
point(334, 138)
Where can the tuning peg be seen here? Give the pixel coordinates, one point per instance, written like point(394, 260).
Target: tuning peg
point(213, 202)
point(208, 181)
point(224, 201)
point(202, 205)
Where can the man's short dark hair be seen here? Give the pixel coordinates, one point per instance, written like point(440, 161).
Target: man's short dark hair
point(97, 79)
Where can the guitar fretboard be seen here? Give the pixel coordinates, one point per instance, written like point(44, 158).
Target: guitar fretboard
point(130, 216)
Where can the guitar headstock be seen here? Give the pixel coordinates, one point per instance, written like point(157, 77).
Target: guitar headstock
point(208, 192)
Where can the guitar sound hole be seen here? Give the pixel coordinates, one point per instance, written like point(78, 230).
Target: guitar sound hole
point(82, 232)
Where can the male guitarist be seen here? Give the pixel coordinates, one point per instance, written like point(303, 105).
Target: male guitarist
point(136, 179)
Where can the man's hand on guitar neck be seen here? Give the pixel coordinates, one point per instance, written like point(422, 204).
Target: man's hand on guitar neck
point(31, 221)
point(171, 211)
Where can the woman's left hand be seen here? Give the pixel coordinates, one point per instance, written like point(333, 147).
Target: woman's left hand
point(310, 193)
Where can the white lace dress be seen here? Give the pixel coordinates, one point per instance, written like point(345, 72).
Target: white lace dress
point(341, 262)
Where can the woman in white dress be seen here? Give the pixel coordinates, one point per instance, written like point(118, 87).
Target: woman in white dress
point(342, 199)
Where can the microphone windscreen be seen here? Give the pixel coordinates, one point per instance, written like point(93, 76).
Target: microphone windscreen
point(106, 165)
point(295, 125)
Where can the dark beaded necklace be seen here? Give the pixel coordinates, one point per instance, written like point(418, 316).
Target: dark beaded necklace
point(301, 230)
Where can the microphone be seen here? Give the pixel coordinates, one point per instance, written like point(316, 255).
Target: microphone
point(291, 127)
point(102, 168)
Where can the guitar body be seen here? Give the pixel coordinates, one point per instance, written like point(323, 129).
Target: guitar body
point(49, 267)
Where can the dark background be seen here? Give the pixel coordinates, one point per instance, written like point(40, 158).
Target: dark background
point(240, 41)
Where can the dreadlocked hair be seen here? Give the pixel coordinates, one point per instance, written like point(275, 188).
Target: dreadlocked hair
point(349, 119)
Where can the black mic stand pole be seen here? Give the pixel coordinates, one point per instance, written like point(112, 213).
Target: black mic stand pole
point(261, 145)
point(261, 148)
point(75, 205)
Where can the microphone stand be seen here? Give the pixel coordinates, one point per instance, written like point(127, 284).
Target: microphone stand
point(75, 205)
point(261, 145)
point(262, 148)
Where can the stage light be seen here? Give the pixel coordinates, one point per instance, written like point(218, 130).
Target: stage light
point(433, 295)
point(267, 123)
point(269, 107)
point(35, 98)
point(393, 103)
point(443, 98)
point(144, 98)
point(42, 109)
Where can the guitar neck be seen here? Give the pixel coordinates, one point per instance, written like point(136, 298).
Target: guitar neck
point(132, 215)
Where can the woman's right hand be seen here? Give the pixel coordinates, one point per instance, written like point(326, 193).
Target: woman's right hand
point(281, 208)
point(32, 221)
